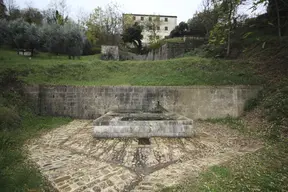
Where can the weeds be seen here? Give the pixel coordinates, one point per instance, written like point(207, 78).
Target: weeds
point(234, 123)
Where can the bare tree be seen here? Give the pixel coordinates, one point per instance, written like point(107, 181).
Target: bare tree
point(152, 25)
point(104, 24)
point(10, 6)
point(82, 16)
point(61, 6)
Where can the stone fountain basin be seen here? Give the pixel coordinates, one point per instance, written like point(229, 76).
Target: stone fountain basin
point(142, 125)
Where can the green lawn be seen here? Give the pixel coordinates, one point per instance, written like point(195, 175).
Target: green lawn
point(89, 70)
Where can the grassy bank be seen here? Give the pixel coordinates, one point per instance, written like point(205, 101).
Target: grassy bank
point(43, 69)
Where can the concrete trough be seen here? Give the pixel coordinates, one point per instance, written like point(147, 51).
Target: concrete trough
point(142, 125)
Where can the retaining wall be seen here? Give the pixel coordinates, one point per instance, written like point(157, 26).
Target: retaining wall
point(196, 102)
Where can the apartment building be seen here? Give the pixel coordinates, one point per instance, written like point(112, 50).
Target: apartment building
point(161, 24)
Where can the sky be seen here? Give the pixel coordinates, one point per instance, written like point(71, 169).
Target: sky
point(183, 9)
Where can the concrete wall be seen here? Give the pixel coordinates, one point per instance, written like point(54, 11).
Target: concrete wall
point(90, 102)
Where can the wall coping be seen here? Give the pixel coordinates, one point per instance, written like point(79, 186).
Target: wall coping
point(139, 86)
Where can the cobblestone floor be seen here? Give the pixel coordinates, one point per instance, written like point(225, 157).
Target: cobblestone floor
point(72, 160)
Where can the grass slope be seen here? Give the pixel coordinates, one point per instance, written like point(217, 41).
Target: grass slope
point(43, 69)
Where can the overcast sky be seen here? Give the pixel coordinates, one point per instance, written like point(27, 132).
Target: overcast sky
point(183, 9)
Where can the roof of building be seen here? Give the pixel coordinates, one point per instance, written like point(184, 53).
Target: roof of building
point(171, 16)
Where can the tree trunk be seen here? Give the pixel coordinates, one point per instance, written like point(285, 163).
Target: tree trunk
point(229, 29)
point(278, 20)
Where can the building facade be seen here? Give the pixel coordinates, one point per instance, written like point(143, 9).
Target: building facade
point(154, 26)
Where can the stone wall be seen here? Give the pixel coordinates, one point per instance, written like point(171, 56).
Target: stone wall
point(166, 51)
point(90, 102)
point(109, 52)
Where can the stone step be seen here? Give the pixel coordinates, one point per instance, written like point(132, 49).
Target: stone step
point(159, 130)
point(138, 123)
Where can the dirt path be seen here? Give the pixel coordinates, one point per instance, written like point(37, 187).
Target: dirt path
point(72, 160)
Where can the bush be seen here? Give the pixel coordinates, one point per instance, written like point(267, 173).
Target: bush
point(209, 50)
point(9, 119)
point(96, 50)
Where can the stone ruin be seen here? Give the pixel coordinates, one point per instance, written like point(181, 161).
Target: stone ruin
point(109, 52)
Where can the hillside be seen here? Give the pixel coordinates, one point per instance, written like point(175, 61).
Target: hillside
point(89, 70)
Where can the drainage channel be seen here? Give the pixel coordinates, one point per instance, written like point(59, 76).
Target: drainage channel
point(144, 141)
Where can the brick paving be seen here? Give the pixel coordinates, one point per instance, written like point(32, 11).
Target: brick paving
point(72, 160)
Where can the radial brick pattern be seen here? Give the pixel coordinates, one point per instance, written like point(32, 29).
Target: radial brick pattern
point(72, 160)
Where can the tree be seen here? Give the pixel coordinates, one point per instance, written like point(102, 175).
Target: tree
point(57, 12)
point(63, 39)
point(21, 34)
point(3, 31)
point(278, 15)
point(82, 17)
point(153, 26)
point(128, 21)
point(10, 6)
point(53, 38)
point(180, 30)
point(32, 15)
point(60, 6)
point(74, 40)
point(203, 22)
point(14, 13)
point(54, 17)
point(221, 33)
point(33, 38)
point(3, 10)
point(104, 24)
point(133, 35)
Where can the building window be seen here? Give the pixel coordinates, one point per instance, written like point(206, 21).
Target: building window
point(158, 28)
point(166, 28)
point(134, 18)
point(150, 18)
point(142, 18)
point(166, 19)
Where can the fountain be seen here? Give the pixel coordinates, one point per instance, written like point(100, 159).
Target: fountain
point(142, 124)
